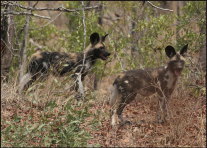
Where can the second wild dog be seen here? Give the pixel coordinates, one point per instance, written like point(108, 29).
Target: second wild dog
point(145, 82)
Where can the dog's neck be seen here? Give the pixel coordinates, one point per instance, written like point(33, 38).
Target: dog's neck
point(167, 76)
point(87, 58)
point(90, 56)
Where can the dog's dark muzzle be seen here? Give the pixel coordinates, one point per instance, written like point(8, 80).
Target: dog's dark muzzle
point(105, 55)
point(178, 71)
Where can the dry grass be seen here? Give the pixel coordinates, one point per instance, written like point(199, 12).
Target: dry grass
point(45, 108)
point(186, 124)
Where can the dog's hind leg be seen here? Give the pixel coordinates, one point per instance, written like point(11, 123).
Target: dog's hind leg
point(118, 101)
point(113, 95)
point(114, 101)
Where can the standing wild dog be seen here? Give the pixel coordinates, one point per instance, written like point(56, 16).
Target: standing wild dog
point(143, 83)
point(59, 63)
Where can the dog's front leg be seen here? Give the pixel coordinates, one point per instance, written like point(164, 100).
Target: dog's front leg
point(162, 109)
point(67, 68)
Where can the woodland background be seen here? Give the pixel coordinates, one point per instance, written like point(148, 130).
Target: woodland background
point(48, 115)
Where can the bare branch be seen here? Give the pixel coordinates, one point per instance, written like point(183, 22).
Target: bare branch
point(84, 25)
point(80, 84)
point(24, 13)
point(35, 4)
point(35, 44)
point(159, 7)
point(8, 48)
point(48, 22)
point(62, 9)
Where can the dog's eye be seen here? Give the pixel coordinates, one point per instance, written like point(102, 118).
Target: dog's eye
point(101, 48)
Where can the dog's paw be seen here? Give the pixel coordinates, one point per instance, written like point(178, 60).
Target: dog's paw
point(126, 122)
point(160, 120)
point(79, 97)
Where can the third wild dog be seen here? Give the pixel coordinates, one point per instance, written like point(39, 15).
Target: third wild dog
point(143, 83)
point(59, 63)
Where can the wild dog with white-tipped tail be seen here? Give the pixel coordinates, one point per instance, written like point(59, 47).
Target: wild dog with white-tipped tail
point(145, 82)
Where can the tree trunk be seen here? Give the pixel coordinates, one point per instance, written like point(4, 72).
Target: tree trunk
point(173, 6)
point(23, 50)
point(138, 14)
point(7, 39)
point(202, 56)
point(134, 48)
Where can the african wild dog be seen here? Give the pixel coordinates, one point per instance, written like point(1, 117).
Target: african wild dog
point(60, 63)
point(143, 83)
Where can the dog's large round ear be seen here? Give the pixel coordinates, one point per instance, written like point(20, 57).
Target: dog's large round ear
point(94, 38)
point(184, 50)
point(170, 51)
point(104, 37)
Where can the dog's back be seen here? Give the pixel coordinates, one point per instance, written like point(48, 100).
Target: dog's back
point(139, 81)
point(43, 63)
point(53, 61)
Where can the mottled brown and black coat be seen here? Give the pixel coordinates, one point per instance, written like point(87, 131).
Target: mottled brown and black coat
point(43, 63)
point(145, 82)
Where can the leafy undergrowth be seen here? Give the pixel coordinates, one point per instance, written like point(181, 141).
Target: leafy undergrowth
point(48, 121)
point(49, 127)
point(47, 117)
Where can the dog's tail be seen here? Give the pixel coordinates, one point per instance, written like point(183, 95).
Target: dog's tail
point(114, 95)
point(24, 82)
